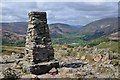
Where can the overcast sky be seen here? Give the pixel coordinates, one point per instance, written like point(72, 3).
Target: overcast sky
point(75, 13)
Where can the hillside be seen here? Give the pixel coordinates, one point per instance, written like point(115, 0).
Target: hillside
point(106, 25)
point(21, 28)
point(15, 27)
point(62, 33)
point(14, 33)
point(99, 28)
point(60, 28)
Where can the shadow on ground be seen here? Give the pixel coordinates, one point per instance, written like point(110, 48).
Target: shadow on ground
point(73, 65)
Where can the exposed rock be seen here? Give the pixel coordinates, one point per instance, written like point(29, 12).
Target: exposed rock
point(28, 76)
point(114, 62)
point(53, 71)
point(83, 57)
point(115, 36)
point(106, 62)
point(10, 74)
point(114, 56)
point(43, 68)
point(1, 75)
point(18, 67)
point(97, 57)
point(105, 57)
point(1, 59)
point(64, 71)
point(82, 73)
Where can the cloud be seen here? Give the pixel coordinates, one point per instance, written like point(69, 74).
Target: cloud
point(60, 1)
point(65, 12)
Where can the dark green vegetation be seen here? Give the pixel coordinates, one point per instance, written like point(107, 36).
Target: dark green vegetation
point(95, 34)
point(9, 42)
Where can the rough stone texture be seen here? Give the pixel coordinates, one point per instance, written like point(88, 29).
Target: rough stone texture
point(38, 47)
point(43, 67)
point(38, 42)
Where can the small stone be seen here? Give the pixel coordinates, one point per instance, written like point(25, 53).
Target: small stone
point(53, 71)
point(107, 62)
point(13, 53)
point(20, 63)
point(106, 57)
point(97, 58)
point(82, 73)
point(28, 76)
point(64, 71)
point(83, 57)
point(18, 67)
point(1, 75)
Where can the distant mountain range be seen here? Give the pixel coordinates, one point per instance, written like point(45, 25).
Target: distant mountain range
point(21, 28)
point(100, 27)
point(15, 29)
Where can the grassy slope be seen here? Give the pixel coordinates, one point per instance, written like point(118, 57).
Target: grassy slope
point(9, 49)
point(113, 46)
point(67, 39)
point(97, 41)
point(71, 39)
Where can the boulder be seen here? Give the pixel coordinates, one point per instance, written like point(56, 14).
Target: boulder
point(53, 71)
point(105, 57)
point(97, 57)
point(83, 57)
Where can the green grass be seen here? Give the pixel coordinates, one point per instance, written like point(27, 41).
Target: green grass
point(68, 36)
point(97, 41)
point(111, 44)
point(67, 39)
point(79, 43)
point(12, 42)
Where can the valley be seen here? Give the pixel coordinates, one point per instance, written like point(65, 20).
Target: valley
point(90, 51)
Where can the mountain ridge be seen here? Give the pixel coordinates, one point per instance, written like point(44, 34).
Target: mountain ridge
point(91, 31)
point(100, 25)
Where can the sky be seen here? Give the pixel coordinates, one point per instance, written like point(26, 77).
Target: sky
point(73, 13)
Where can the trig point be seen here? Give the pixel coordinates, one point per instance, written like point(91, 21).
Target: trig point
point(39, 54)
